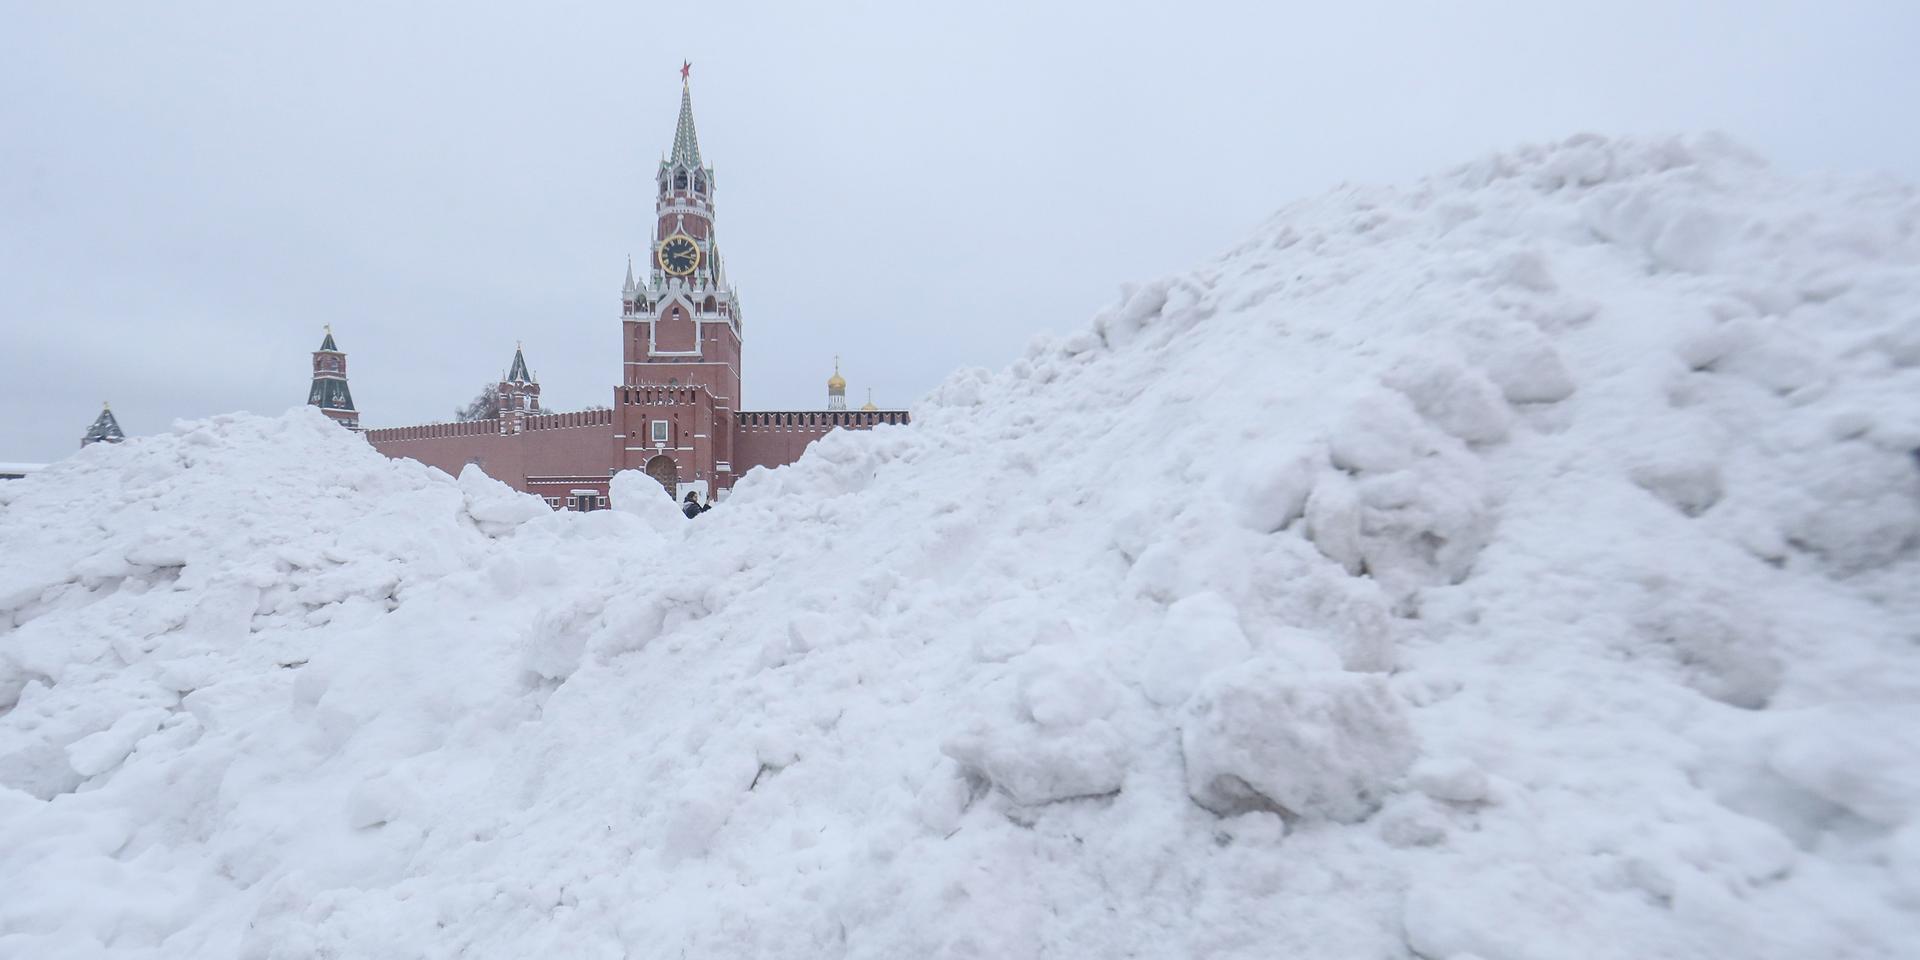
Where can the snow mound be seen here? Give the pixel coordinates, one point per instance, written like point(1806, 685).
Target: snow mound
point(1514, 565)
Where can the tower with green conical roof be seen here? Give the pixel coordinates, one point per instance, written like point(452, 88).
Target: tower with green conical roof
point(329, 391)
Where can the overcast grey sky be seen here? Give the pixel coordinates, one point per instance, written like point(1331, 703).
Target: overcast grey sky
point(188, 190)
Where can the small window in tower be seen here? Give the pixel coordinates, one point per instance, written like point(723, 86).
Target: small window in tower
point(700, 184)
point(680, 181)
point(659, 431)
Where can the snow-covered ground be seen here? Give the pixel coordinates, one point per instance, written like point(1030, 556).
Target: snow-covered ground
point(1518, 565)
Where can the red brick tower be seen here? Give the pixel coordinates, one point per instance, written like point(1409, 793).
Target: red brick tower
point(680, 384)
point(329, 391)
point(518, 395)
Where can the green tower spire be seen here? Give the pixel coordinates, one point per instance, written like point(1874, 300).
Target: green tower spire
point(686, 145)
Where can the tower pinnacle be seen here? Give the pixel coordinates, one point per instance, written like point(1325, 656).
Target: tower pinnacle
point(518, 372)
point(105, 428)
point(686, 145)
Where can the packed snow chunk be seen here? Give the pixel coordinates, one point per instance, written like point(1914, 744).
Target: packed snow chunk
point(1060, 692)
point(632, 491)
point(809, 631)
point(1689, 482)
point(380, 799)
point(1426, 525)
point(1724, 648)
point(1272, 492)
point(99, 752)
point(1333, 521)
point(1522, 362)
point(1034, 765)
point(496, 508)
point(1200, 634)
point(1138, 308)
point(1455, 397)
point(1010, 627)
point(1864, 761)
point(943, 799)
point(557, 640)
point(1453, 779)
point(1315, 746)
point(1378, 432)
point(1411, 820)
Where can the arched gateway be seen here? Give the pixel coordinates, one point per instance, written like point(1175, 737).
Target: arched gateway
point(661, 468)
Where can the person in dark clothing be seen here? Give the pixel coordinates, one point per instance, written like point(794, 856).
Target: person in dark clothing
point(706, 505)
point(691, 508)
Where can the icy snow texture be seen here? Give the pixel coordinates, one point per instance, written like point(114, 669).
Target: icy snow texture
point(1516, 565)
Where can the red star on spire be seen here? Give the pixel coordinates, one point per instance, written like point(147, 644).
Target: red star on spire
point(686, 66)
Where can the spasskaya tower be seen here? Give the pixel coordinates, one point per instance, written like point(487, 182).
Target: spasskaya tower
point(682, 319)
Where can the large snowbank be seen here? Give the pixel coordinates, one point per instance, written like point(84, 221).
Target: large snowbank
point(1516, 565)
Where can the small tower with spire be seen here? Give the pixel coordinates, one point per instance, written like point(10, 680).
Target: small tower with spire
point(836, 388)
point(329, 391)
point(518, 396)
point(105, 428)
point(868, 407)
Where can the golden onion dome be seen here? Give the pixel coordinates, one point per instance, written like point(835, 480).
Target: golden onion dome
point(869, 404)
point(836, 382)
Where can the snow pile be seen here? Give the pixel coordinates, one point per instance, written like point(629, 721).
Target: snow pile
point(1516, 565)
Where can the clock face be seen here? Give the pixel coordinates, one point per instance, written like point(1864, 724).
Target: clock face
point(679, 255)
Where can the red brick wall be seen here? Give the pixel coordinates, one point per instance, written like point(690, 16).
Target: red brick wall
point(771, 446)
point(576, 444)
point(775, 438)
point(568, 444)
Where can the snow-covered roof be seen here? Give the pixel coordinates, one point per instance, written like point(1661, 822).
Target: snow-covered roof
point(19, 468)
